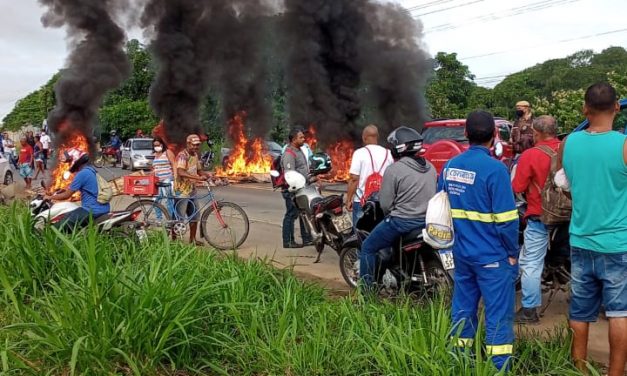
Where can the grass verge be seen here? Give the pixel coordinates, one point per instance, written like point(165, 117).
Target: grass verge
point(97, 305)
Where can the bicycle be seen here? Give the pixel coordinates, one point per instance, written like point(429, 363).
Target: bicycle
point(227, 215)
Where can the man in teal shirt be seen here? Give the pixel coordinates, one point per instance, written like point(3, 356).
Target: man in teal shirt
point(595, 163)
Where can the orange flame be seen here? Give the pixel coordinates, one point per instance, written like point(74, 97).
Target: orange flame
point(310, 138)
point(341, 154)
point(77, 141)
point(247, 156)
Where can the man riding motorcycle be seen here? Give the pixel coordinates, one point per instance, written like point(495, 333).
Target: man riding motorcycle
point(86, 183)
point(116, 143)
point(407, 186)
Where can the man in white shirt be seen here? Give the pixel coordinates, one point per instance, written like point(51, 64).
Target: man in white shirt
point(366, 160)
point(45, 143)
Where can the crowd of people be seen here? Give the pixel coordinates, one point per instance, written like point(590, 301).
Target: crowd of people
point(33, 154)
point(588, 167)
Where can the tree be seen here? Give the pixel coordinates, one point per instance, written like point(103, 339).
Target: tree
point(450, 89)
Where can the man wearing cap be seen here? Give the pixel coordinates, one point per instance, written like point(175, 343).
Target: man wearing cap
point(486, 241)
point(189, 171)
point(522, 131)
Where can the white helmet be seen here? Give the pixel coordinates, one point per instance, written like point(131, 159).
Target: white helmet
point(294, 180)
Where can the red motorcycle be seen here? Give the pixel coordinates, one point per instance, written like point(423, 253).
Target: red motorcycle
point(107, 154)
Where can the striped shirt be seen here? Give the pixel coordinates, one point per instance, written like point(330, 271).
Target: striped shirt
point(162, 168)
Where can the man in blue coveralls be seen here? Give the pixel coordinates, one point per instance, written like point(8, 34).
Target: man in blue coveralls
point(486, 240)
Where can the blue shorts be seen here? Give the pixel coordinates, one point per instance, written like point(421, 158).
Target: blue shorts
point(26, 171)
point(597, 278)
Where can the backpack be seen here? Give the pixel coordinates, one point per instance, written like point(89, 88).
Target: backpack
point(279, 180)
point(374, 180)
point(105, 190)
point(557, 206)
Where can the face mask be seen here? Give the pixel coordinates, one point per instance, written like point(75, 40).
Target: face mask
point(520, 113)
point(158, 149)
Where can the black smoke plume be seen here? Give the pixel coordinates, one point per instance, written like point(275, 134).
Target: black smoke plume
point(96, 65)
point(239, 30)
point(199, 43)
point(180, 28)
point(323, 64)
point(344, 53)
point(396, 68)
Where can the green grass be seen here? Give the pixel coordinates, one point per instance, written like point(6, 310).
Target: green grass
point(96, 305)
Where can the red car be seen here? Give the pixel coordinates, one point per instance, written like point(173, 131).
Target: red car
point(444, 139)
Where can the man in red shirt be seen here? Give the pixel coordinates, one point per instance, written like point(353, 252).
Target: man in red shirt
point(25, 162)
point(531, 173)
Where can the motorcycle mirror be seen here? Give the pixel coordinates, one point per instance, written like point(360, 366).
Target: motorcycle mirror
point(274, 173)
point(498, 149)
point(66, 175)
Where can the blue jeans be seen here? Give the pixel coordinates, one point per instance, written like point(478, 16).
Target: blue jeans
point(357, 213)
point(597, 278)
point(76, 219)
point(383, 236)
point(291, 214)
point(532, 262)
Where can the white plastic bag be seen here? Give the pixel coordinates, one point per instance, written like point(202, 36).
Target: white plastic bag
point(438, 232)
point(561, 181)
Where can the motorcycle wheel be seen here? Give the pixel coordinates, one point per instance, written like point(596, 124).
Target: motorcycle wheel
point(441, 283)
point(349, 266)
point(99, 162)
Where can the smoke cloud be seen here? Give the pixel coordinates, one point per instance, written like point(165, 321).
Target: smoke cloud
point(199, 43)
point(96, 65)
point(344, 53)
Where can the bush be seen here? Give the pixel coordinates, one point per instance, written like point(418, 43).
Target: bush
point(91, 304)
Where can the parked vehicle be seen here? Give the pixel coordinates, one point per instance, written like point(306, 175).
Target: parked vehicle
point(620, 122)
point(44, 212)
point(445, 139)
point(137, 153)
point(411, 266)
point(325, 216)
point(6, 174)
point(107, 155)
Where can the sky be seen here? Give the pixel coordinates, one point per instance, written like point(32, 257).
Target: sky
point(493, 37)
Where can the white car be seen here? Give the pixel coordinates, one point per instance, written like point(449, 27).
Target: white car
point(137, 154)
point(6, 174)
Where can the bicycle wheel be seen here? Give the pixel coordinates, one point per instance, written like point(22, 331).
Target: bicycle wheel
point(226, 228)
point(154, 215)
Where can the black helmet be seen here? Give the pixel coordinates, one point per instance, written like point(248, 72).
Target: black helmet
point(320, 163)
point(405, 142)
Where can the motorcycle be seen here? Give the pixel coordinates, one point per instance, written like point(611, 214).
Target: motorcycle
point(44, 212)
point(411, 265)
point(106, 155)
point(206, 159)
point(556, 273)
point(325, 216)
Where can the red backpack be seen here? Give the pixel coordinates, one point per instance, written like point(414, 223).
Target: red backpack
point(277, 165)
point(374, 180)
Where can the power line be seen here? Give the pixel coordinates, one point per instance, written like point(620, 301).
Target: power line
point(546, 44)
point(513, 12)
point(428, 5)
point(449, 8)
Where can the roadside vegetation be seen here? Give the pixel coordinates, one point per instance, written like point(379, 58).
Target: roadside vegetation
point(95, 305)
